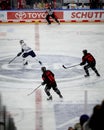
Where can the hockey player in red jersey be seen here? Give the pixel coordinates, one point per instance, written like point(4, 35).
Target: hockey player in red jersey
point(91, 63)
point(49, 81)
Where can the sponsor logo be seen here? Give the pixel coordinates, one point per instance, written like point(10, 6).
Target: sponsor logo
point(20, 15)
point(1, 15)
point(30, 15)
point(26, 15)
point(89, 15)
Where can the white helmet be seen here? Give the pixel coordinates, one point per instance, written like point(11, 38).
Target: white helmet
point(21, 41)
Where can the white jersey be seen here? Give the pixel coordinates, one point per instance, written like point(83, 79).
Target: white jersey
point(25, 48)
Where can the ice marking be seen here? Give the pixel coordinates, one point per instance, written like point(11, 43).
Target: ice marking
point(32, 72)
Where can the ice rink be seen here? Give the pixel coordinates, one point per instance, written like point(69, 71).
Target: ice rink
point(55, 45)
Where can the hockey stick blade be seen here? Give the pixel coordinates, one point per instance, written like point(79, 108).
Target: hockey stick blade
point(64, 67)
point(70, 66)
point(33, 90)
point(12, 59)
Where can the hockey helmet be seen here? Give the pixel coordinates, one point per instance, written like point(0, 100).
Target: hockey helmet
point(43, 68)
point(83, 119)
point(85, 51)
point(21, 41)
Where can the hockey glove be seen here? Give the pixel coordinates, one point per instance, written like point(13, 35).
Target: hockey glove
point(82, 63)
point(19, 53)
point(42, 83)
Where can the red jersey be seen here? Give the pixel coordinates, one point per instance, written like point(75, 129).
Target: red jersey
point(48, 77)
point(88, 58)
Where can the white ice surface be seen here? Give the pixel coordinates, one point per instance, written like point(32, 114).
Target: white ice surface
point(54, 41)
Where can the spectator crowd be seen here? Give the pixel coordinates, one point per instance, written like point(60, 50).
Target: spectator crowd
point(42, 4)
point(5, 5)
point(93, 122)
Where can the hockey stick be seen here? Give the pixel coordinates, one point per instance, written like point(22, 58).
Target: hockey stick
point(69, 66)
point(34, 90)
point(12, 59)
point(38, 61)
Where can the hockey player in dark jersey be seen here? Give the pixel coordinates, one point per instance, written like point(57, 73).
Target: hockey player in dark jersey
point(49, 81)
point(25, 52)
point(50, 14)
point(91, 63)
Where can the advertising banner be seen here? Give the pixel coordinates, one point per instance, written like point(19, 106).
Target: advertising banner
point(3, 16)
point(62, 15)
point(80, 15)
point(30, 15)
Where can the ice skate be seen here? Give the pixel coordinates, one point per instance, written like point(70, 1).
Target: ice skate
point(48, 23)
point(50, 98)
point(87, 75)
point(58, 23)
point(60, 96)
point(97, 74)
point(26, 63)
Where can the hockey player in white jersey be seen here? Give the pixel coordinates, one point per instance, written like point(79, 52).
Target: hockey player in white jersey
point(27, 51)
